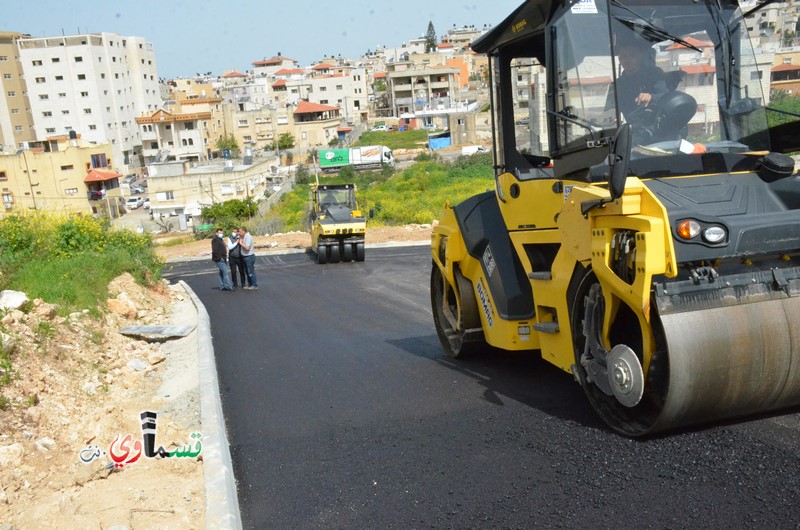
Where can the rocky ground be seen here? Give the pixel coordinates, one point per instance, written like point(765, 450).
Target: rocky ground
point(76, 383)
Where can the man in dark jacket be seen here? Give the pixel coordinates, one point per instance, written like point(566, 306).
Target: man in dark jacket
point(219, 254)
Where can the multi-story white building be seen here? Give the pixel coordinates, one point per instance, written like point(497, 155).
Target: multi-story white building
point(95, 84)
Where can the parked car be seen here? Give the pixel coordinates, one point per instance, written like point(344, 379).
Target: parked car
point(383, 128)
point(133, 202)
point(469, 150)
point(523, 121)
point(136, 188)
point(130, 178)
point(146, 204)
point(429, 127)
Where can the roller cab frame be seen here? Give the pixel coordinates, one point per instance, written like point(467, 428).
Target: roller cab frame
point(338, 227)
point(652, 251)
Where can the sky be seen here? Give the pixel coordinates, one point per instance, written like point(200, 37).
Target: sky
point(199, 36)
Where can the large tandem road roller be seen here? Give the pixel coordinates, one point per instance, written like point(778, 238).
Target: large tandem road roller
point(338, 227)
point(644, 230)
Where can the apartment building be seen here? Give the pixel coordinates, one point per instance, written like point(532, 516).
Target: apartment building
point(347, 89)
point(16, 122)
point(415, 89)
point(61, 174)
point(94, 84)
point(178, 188)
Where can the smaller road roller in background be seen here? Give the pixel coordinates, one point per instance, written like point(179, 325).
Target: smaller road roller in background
point(337, 225)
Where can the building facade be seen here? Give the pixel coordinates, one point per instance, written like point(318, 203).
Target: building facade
point(94, 84)
point(16, 121)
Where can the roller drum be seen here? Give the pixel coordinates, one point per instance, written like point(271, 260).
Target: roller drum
point(730, 361)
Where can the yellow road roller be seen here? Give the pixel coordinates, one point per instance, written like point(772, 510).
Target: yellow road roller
point(644, 230)
point(338, 227)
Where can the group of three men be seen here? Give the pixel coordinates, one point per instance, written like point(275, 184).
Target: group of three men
point(234, 253)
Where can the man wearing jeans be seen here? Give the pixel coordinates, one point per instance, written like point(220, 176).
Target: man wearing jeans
point(249, 256)
point(219, 254)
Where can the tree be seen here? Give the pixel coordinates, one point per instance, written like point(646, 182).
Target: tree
point(228, 141)
point(430, 39)
point(285, 141)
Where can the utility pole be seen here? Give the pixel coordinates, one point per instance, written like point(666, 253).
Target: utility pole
point(28, 173)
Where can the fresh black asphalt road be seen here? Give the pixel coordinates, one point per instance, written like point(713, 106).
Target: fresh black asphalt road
point(343, 412)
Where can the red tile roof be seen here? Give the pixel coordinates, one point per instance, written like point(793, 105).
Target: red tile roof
point(306, 107)
point(694, 42)
point(234, 74)
point(379, 75)
point(786, 67)
point(445, 45)
point(279, 83)
point(322, 66)
point(289, 71)
point(699, 69)
point(96, 175)
point(273, 60)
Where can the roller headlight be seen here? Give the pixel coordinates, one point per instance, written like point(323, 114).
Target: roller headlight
point(714, 234)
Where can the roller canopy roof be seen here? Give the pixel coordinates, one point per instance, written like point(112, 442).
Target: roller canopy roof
point(527, 20)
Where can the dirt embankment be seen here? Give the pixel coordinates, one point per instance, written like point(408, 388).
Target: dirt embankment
point(75, 384)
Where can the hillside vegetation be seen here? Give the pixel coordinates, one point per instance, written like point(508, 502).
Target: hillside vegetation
point(414, 195)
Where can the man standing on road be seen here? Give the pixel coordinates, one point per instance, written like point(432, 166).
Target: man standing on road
point(235, 259)
point(249, 256)
point(219, 254)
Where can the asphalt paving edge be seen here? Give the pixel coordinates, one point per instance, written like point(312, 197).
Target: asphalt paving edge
point(222, 504)
point(390, 244)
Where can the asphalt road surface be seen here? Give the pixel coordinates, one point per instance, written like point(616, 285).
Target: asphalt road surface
point(343, 412)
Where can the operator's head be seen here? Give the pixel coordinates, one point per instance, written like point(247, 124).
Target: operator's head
point(633, 52)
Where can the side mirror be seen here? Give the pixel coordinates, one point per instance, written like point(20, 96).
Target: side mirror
point(621, 155)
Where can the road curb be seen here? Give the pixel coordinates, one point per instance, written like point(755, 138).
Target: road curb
point(222, 504)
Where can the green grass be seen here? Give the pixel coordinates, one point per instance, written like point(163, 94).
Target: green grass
point(415, 195)
point(394, 139)
point(81, 281)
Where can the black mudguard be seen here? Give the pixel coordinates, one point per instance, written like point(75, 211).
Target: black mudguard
point(486, 238)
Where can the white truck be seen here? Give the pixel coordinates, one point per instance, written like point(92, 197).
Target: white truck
point(367, 157)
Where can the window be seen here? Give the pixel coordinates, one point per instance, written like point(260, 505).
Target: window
point(153, 145)
point(3, 175)
point(102, 76)
point(65, 113)
point(8, 198)
point(338, 87)
point(242, 123)
point(6, 76)
point(37, 63)
point(11, 93)
point(99, 161)
point(43, 97)
point(81, 77)
point(40, 79)
point(47, 114)
point(78, 59)
point(14, 111)
point(67, 168)
point(323, 88)
point(70, 191)
point(189, 126)
point(62, 94)
point(50, 130)
point(18, 128)
point(54, 59)
point(3, 58)
point(755, 75)
point(165, 196)
point(323, 102)
point(92, 127)
point(59, 78)
point(87, 111)
point(84, 94)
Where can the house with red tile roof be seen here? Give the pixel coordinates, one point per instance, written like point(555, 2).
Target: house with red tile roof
point(267, 67)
